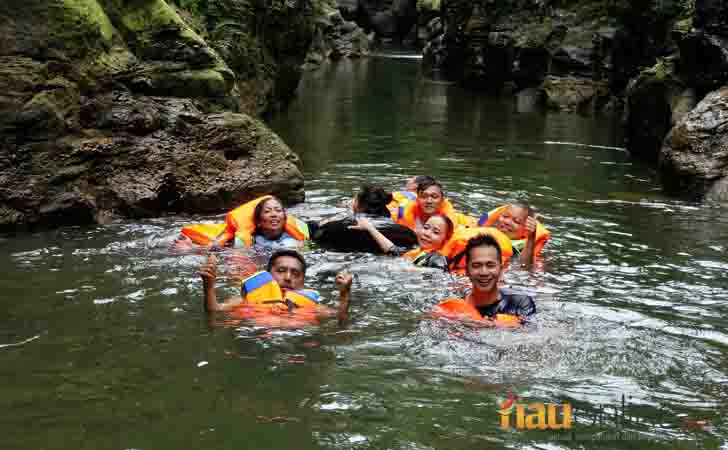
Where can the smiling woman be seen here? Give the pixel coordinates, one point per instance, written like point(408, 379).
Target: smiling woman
point(262, 221)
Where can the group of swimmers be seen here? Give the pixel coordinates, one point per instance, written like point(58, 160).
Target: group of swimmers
point(443, 238)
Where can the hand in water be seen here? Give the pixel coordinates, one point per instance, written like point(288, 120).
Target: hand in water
point(279, 309)
point(343, 281)
point(208, 271)
point(362, 223)
point(183, 243)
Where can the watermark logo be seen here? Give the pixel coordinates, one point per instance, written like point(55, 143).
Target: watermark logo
point(534, 416)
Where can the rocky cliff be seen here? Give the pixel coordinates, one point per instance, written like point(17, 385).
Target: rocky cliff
point(653, 59)
point(115, 108)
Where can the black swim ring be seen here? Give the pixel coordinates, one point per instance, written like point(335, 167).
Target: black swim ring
point(336, 235)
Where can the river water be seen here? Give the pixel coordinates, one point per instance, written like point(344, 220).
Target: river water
point(114, 350)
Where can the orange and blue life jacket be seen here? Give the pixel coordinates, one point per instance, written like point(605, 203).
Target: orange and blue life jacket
point(400, 198)
point(260, 288)
point(408, 215)
point(488, 219)
point(239, 227)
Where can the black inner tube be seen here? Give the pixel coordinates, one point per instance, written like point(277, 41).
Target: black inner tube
point(336, 235)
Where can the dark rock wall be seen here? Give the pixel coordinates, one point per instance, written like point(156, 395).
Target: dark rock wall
point(657, 59)
point(113, 108)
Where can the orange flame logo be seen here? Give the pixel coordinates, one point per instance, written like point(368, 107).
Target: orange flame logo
point(506, 408)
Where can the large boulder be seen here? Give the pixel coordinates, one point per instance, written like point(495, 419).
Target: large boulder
point(655, 101)
point(105, 111)
point(572, 94)
point(337, 38)
point(694, 157)
point(142, 156)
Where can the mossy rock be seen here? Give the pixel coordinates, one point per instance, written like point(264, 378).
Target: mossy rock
point(428, 5)
point(185, 83)
point(80, 25)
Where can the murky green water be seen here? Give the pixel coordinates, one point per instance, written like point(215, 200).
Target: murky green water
point(631, 301)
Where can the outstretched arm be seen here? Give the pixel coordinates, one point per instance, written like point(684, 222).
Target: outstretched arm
point(343, 282)
point(208, 273)
point(362, 223)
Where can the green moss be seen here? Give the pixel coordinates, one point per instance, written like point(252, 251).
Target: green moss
point(684, 25)
point(192, 83)
point(149, 17)
point(80, 25)
point(428, 5)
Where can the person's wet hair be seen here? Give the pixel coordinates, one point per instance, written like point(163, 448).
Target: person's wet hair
point(422, 187)
point(450, 226)
point(373, 200)
point(483, 240)
point(423, 179)
point(280, 253)
point(523, 205)
point(258, 211)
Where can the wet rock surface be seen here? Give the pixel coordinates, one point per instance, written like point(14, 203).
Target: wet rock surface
point(111, 109)
point(694, 157)
point(336, 37)
point(487, 45)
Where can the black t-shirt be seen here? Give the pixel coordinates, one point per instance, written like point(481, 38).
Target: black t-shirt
point(433, 259)
point(509, 302)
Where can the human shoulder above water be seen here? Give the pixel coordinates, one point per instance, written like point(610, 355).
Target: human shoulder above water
point(487, 305)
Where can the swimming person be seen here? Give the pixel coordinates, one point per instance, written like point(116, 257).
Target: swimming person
point(262, 222)
point(486, 304)
point(278, 290)
point(409, 193)
point(369, 203)
point(271, 226)
point(517, 221)
point(431, 237)
point(430, 201)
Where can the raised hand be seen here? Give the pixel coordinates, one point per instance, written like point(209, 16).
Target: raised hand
point(208, 271)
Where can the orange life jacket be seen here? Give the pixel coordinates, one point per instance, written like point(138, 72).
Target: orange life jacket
point(456, 308)
point(240, 224)
point(454, 249)
point(401, 198)
point(408, 214)
point(542, 233)
point(203, 233)
point(261, 289)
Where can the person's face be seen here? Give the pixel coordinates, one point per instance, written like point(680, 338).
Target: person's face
point(288, 272)
point(512, 220)
point(430, 200)
point(411, 184)
point(433, 233)
point(273, 217)
point(484, 268)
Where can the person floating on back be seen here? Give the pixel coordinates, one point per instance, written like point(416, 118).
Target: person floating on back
point(487, 305)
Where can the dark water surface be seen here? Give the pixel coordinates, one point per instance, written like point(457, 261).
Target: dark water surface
point(631, 301)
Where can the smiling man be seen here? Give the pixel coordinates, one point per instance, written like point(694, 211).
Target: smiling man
point(486, 304)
